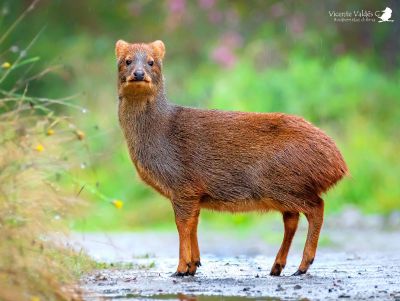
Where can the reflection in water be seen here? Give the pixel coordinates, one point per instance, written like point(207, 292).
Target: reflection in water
point(183, 297)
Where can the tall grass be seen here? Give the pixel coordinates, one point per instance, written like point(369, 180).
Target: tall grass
point(36, 151)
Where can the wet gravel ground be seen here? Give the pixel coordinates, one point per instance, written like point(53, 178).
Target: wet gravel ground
point(333, 276)
point(361, 263)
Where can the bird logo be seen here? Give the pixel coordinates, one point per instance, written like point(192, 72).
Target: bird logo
point(385, 17)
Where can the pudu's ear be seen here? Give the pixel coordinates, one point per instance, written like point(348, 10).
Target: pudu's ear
point(120, 47)
point(159, 48)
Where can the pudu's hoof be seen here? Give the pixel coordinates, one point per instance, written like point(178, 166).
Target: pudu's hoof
point(192, 267)
point(179, 274)
point(299, 272)
point(191, 273)
point(276, 270)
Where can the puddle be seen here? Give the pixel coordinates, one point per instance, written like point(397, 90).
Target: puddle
point(185, 297)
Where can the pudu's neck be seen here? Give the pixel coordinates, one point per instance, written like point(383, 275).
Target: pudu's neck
point(144, 119)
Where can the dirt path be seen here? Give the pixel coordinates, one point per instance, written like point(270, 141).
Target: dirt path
point(353, 265)
point(361, 276)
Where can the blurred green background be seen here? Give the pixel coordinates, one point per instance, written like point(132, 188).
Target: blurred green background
point(264, 56)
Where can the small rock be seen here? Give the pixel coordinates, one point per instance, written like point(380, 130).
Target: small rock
point(100, 277)
point(246, 289)
point(279, 288)
point(330, 290)
point(297, 287)
point(257, 276)
point(343, 296)
point(129, 279)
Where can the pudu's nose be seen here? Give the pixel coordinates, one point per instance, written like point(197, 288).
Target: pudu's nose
point(138, 74)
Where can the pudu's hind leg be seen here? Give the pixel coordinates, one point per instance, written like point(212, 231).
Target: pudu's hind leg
point(290, 220)
point(315, 218)
point(195, 259)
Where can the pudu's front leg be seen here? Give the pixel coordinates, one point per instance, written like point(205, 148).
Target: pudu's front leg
point(186, 219)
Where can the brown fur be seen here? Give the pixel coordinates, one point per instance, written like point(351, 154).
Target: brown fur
point(227, 161)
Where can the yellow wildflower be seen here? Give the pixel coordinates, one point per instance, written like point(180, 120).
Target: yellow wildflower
point(80, 134)
point(50, 132)
point(39, 147)
point(35, 298)
point(118, 203)
point(6, 65)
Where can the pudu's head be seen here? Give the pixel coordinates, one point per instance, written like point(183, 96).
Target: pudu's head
point(139, 67)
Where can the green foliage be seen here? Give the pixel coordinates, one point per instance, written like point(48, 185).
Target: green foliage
point(125, 266)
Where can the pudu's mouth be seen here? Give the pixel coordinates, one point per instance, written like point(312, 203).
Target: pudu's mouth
point(134, 80)
point(137, 87)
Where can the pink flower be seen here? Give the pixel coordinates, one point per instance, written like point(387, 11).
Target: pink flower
point(224, 56)
point(176, 6)
point(296, 24)
point(206, 4)
point(278, 10)
point(224, 53)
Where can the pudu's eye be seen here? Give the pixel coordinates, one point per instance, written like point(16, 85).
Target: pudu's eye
point(151, 63)
point(128, 62)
